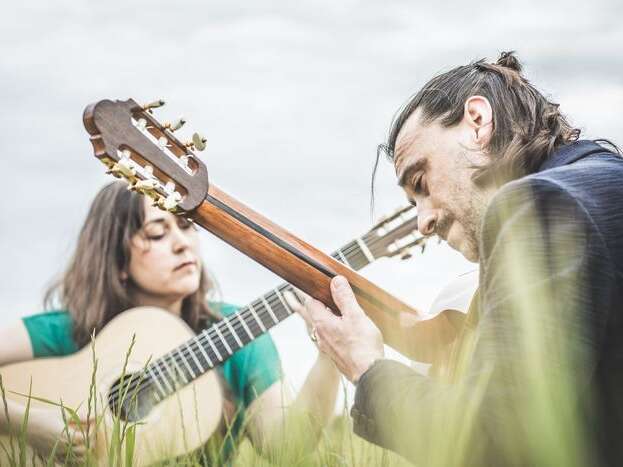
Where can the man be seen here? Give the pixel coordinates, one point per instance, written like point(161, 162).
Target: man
point(498, 172)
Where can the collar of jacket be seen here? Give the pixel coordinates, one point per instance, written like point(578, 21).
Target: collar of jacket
point(571, 153)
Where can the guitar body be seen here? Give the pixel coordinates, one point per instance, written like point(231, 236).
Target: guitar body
point(178, 424)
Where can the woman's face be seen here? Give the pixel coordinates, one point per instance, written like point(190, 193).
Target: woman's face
point(164, 259)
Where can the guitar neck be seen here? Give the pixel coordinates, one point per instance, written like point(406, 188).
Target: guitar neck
point(222, 339)
point(128, 139)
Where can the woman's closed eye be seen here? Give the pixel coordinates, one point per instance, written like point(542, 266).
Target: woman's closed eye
point(156, 234)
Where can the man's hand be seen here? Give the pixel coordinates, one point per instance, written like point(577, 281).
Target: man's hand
point(352, 340)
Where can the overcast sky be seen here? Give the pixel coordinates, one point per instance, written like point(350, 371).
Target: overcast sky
point(293, 98)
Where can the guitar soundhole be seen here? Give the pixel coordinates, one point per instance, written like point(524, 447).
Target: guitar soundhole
point(132, 397)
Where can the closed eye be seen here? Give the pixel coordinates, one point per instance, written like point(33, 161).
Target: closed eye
point(419, 186)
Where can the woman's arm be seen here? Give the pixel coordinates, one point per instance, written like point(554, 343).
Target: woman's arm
point(46, 431)
point(274, 417)
point(14, 347)
point(14, 344)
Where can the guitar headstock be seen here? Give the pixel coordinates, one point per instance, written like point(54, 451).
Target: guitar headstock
point(134, 145)
point(396, 235)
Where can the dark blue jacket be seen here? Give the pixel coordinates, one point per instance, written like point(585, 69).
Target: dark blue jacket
point(544, 382)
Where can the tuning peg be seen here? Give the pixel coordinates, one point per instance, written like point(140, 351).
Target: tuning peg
point(122, 169)
point(170, 202)
point(175, 125)
point(408, 253)
point(154, 105)
point(142, 185)
point(163, 142)
point(199, 142)
point(169, 187)
point(381, 220)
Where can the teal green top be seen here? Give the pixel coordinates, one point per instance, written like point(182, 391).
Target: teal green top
point(249, 371)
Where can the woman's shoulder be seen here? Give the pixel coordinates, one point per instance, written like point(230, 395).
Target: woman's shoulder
point(49, 319)
point(51, 333)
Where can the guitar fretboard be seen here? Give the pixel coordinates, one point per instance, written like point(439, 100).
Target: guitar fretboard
point(222, 339)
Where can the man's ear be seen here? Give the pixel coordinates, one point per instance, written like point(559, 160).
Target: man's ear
point(479, 116)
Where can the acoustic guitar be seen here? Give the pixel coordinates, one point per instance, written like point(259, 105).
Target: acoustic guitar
point(160, 397)
point(164, 391)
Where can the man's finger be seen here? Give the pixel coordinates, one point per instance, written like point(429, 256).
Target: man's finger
point(343, 295)
point(293, 302)
point(317, 310)
point(300, 295)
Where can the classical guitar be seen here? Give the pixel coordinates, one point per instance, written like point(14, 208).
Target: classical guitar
point(167, 359)
point(135, 146)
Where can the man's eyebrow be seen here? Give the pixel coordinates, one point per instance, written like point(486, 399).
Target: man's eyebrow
point(410, 169)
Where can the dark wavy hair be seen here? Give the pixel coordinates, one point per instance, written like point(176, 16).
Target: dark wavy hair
point(91, 288)
point(527, 127)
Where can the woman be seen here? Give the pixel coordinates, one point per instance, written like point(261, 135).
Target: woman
point(130, 254)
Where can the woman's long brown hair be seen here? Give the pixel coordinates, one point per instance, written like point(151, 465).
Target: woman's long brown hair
point(92, 288)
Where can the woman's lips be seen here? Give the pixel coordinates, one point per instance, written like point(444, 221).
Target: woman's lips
point(185, 264)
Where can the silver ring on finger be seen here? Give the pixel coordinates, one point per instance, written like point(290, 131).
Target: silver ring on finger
point(313, 336)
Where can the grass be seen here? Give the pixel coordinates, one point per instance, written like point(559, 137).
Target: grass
point(338, 446)
point(542, 362)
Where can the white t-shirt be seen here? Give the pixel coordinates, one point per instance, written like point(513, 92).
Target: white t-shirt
point(457, 294)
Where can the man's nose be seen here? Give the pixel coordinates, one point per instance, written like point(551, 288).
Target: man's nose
point(426, 222)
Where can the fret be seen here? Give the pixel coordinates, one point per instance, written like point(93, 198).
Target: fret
point(355, 255)
point(270, 311)
point(203, 352)
point(257, 319)
point(365, 249)
point(218, 354)
point(154, 377)
point(283, 301)
point(233, 332)
point(343, 258)
point(192, 373)
point(170, 373)
point(218, 332)
point(196, 360)
point(179, 370)
point(244, 325)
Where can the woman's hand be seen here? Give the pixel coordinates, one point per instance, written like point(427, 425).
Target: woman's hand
point(296, 304)
point(310, 411)
point(46, 431)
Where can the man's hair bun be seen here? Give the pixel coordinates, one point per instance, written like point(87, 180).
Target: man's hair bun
point(509, 60)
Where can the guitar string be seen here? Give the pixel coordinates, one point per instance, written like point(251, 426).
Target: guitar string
point(352, 250)
point(246, 313)
point(221, 326)
point(212, 331)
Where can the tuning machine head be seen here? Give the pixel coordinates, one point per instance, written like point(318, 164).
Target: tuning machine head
point(134, 145)
point(198, 142)
point(150, 106)
point(406, 254)
point(175, 125)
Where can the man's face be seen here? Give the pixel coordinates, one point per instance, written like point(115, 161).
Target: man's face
point(434, 165)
